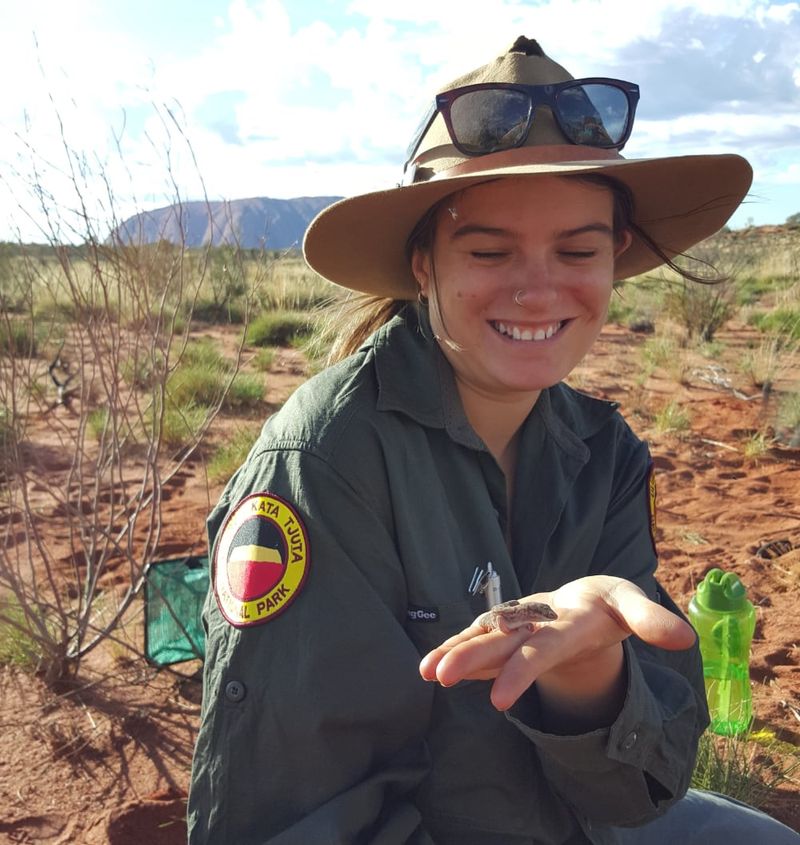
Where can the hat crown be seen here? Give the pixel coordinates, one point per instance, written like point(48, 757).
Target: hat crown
point(526, 68)
point(524, 63)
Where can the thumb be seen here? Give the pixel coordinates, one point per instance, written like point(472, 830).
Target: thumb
point(650, 621)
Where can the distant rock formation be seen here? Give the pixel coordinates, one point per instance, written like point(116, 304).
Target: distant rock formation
point(254, 223)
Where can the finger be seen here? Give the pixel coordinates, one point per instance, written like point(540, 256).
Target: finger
point(478, 656)
point(430, 661)
point(648, 620)
point(550, 647)
point(519, 673)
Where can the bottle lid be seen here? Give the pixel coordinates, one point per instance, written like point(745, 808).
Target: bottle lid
point(721, 591)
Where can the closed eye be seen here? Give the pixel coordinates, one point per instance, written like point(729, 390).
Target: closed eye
point(582, 253)
point(488, 254)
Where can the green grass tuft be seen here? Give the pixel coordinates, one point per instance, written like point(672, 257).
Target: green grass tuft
point(231, 455)
point(278, 328)
point(18, 645)
point(672, 419)
point(17, 339)
point(745, 767)
point(246, 392)
point(784, 321)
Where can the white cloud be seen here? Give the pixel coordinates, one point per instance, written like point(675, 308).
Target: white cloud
point(278, 108)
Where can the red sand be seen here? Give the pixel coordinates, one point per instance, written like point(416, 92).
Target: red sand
point(108, 762)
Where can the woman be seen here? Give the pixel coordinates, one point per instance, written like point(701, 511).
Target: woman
point(375, 517)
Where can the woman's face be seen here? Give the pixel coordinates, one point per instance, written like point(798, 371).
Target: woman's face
point(549, 242)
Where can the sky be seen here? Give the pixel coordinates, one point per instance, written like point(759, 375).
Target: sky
point(110, 107)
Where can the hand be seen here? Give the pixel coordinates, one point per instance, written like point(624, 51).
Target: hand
point(576, 660)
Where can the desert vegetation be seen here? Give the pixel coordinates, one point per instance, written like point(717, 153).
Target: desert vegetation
point(130, 372)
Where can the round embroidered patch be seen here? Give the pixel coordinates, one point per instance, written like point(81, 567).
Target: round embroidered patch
point(260, 561)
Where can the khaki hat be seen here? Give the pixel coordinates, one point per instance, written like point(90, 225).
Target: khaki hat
point(360, 242)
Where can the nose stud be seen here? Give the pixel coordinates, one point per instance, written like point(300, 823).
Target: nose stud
point(517, 296)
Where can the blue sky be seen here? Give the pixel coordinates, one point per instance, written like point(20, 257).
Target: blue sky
point(158, 100)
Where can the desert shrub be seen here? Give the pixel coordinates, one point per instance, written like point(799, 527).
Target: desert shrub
point(277, 328)
point(121, 314)
point(246, 391)
point(231, 455)
point(702, 309)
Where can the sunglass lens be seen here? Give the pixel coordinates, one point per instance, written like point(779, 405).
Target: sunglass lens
point(491, 120)
point(593, 114)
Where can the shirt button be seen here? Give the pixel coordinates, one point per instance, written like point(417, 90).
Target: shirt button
point(629, 741)
point(235, 691)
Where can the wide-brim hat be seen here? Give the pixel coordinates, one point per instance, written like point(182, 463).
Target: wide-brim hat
point(360, 242)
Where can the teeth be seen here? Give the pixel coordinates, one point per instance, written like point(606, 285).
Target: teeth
point(527, 334)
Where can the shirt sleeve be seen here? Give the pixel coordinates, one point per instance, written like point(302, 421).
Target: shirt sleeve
point(631, 772)
point(313, 722)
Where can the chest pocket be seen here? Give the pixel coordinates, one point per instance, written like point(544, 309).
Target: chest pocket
point(430, 625)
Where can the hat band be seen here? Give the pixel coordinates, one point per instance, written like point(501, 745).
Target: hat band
point(541, 154)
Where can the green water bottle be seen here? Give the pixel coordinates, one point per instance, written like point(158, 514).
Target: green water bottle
point(724, 619)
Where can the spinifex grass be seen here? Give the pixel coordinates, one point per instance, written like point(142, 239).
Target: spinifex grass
point(230, 456)
point(672, 419)
point(745, 767)
point(278, 328)
point(18, 643)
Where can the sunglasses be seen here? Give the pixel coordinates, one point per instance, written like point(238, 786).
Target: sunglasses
point(494, 116)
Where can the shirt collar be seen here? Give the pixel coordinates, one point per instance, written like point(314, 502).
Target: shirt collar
point(415, 379)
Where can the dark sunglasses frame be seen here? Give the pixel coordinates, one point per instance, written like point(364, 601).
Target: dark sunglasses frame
point(539, 95)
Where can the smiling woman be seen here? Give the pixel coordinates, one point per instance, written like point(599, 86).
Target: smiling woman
point(441, 467)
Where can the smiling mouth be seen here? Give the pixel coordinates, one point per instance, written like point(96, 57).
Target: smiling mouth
point(525, 334)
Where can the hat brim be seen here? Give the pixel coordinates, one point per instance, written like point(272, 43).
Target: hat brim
point(360, 242)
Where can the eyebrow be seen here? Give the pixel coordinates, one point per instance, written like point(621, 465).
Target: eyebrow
point(602, 228)
point(472, 229)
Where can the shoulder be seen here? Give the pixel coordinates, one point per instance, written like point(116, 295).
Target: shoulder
point(587, 416)
point(321, 410)
point(610, 440)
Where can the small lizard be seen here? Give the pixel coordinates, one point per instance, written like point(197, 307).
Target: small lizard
point(514, 614)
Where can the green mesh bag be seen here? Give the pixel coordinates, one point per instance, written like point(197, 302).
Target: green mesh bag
point(174, 592)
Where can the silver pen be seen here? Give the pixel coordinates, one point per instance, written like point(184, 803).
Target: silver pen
point(491, 587)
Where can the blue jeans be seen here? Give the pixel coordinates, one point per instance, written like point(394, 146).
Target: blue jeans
point(705, 818)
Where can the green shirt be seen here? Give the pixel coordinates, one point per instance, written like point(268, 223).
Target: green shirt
point(316, 725)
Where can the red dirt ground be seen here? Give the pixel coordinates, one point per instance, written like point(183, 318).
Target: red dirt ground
point(108, 761)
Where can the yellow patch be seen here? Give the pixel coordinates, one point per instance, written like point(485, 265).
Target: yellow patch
point(260, 560)
point(651, 491)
